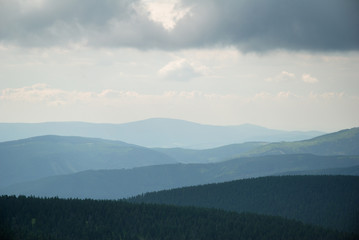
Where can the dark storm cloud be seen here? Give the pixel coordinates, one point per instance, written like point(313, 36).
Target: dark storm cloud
point(52, 22)
point(257, 25)
point(250, 25)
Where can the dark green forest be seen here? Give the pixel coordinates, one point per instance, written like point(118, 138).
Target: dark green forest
point(53, 218)
point(328, 201)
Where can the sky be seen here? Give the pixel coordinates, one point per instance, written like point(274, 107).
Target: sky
point(290, 65)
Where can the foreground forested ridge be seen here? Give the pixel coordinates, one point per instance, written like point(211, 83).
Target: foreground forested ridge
point(34, 218)
point(329, 201)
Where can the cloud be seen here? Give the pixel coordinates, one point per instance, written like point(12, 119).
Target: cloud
point(329, 96)
point(42, 93)
point(309, 79)
point(182, 70)
point(249, 25)
point(325, 110)
point(35, 93)
point(281, 77)
point(165, 12)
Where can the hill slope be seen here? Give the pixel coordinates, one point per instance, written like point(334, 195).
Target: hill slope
point(44, 156)
point(345, 142)
point(156, 132)
point(32, 218)
point(330, 201)
point(116, 184)
point(349, 171)
point(218, 154)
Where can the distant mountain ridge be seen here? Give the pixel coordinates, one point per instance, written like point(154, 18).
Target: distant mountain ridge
point(155, 132)
point(44, 156)
point(213, 155)
point(344, 142)
point(121, 183)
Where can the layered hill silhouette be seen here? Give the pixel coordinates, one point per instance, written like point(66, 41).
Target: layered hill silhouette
point(344, 142)
point(116, 184)
point(82, 167)
point(329, 201)
point(155, 132)
point(211, 155)
point(44, 156)
point(49, 156)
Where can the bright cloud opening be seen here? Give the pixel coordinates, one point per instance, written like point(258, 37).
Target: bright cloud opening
point(165, 12)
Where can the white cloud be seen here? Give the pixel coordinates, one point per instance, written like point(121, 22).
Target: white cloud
point(328, 96)
point(307, 78)
point(165, 12)
point(45, 94)
point(281, 110)
point(182, 70)
point(42, 93)
point(281, 77)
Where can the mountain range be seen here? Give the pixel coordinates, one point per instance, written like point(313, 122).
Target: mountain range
point(36, 157)
point(97, 168)
point(232, 177)
point(121, 183)
point(156, 132)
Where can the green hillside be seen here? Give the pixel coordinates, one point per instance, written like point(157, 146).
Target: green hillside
point(38, 157)
point(33, 218)
point(345, 142)
point(330, 201)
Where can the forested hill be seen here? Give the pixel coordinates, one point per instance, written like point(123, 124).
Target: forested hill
point(344, 142)
point(33, 218)
point(330, 201)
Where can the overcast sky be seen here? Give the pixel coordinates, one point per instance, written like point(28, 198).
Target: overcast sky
point(281, 64)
